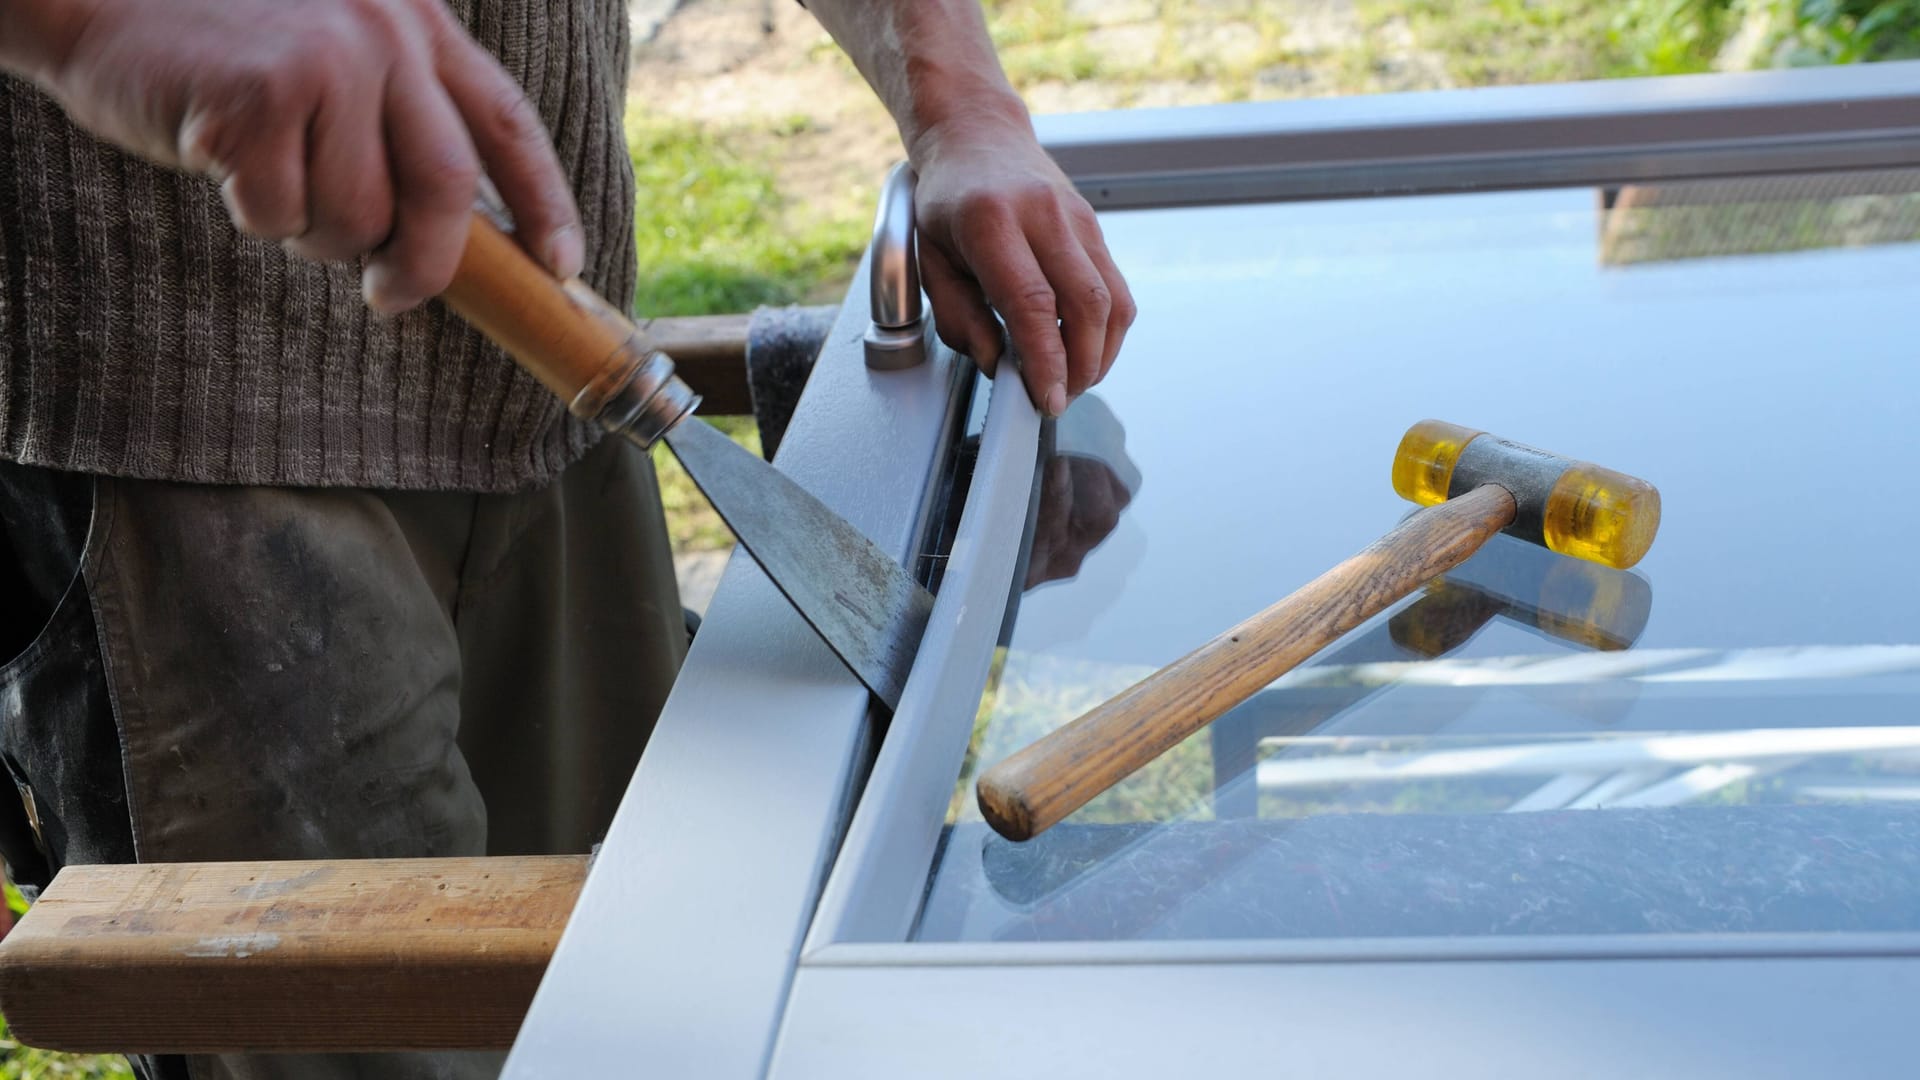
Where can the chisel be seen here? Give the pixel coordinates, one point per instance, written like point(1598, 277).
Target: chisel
point(861, 603)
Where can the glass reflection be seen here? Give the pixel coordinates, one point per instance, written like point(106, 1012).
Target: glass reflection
point(1580, 603)
point(1748, 737)
point(1086, 481)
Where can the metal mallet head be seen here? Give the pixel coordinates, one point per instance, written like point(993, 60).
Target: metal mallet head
point(1570, 507)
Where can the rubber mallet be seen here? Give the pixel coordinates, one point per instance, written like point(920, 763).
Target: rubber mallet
point(1473, 485)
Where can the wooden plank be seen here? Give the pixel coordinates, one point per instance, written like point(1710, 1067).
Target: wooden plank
point(710, 353)
point(384, 954)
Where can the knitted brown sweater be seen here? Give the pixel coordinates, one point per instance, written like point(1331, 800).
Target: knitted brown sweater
point(141, 335)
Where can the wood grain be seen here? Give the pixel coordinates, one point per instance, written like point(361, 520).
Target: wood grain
point(389, 954)
point(710, 352)
point(562, 333)
point(1037, 787)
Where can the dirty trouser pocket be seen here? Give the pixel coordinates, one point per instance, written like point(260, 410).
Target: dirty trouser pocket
point(58, 737)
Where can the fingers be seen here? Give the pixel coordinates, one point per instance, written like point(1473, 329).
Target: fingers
point(1036, 255)
point(1084, 302)
point(436, 175)
point(995, 245)
point(360, 129)
point(517, 153)
point(253, 139)
point(961, 314)
point(266, 191)
point(1122, 311)
point(350, 192)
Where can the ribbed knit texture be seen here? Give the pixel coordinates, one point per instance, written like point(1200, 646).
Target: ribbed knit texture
point(141, 335)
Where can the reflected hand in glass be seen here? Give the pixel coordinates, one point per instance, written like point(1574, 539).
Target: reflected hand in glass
point(1086, 482)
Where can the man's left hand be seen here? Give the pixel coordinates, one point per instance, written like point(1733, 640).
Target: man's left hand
point(1002, 229)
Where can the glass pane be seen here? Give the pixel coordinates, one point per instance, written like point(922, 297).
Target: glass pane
point(1722, 739)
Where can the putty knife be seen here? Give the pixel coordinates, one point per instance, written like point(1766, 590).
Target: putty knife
point(862, 603)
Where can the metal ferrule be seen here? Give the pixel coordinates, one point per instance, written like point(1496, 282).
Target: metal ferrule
point(636, 395)
point(1527, 473)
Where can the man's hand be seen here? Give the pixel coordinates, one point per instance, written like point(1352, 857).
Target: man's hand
point(1001, 228)
point(344, 128)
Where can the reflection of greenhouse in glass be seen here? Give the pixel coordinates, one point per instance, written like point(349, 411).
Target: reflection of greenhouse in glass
point(1642, 223)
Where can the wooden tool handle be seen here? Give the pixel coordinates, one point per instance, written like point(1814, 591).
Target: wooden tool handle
point(1032, 790)
point(560, 331)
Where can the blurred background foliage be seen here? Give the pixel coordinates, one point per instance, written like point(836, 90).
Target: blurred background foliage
point(1678, 36)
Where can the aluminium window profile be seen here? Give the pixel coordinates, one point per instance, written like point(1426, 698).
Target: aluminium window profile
point(1612, 132)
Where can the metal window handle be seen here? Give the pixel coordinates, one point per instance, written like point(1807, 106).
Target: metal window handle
point(898, 336)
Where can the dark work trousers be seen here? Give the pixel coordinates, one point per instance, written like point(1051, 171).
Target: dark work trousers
point(216, 673)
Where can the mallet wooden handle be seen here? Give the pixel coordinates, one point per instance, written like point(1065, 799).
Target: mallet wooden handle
point(1035, 788)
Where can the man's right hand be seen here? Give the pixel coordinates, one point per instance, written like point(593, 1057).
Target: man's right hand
point(344, 128)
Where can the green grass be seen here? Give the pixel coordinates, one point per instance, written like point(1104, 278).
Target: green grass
point(1042, 40)
point(1674, 37)
point(1225, 46)
point(1029, 695)
point(1489, 42)
point(715, 231)
point(692, 523)
point(1504, 42)
point(19, 1062)
point(717, 234)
